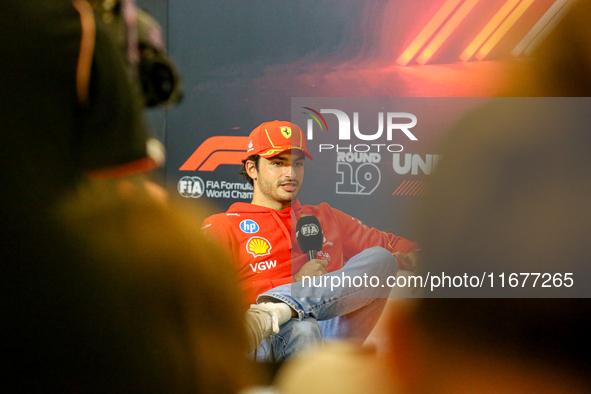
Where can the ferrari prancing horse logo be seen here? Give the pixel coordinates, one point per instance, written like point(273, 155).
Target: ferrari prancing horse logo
point(286, 131)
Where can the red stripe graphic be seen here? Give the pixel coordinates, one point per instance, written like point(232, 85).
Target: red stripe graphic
point(413, 190)
point(422, 191)
point(405, 188)
point(401, 185)
point(410, 188)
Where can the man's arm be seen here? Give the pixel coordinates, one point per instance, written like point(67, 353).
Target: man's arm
point(357, 237)
point(215, 231)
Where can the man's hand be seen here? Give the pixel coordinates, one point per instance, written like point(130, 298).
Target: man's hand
point(413, 262)
point(409, 261)
point(312, 268)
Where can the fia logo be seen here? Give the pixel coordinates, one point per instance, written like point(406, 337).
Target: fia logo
point(249, 226)
point(191, 187)
point(309, 230)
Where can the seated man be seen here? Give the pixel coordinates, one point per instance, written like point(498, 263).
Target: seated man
point(259, 234)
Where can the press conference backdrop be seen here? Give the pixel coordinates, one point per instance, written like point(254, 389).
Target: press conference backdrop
point(246, 62)
point(372, 156)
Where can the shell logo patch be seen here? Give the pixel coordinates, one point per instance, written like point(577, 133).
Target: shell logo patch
point(286, 131)
point(258, 246)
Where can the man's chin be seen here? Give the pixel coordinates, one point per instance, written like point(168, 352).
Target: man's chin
point(294, 194)
point(289, 196)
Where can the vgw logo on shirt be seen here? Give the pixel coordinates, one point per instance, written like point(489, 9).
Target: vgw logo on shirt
point(263, 266)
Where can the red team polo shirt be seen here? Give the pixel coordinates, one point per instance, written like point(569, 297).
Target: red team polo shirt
point(265, 253)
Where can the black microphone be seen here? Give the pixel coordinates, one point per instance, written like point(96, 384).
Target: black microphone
point(309, 235)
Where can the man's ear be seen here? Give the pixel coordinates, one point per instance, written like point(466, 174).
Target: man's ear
point(251, 169)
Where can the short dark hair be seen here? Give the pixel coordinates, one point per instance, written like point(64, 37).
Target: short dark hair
point(256, 159)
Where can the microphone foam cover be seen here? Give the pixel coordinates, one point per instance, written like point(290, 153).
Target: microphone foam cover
point(309, 234)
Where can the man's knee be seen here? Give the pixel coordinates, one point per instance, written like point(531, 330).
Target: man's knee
point(382, 261)
point(305, 330)
point(297, 335)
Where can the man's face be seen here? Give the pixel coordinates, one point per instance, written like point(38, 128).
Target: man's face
point(278, 180)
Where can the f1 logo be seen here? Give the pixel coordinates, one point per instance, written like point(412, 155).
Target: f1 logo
point(216, 151)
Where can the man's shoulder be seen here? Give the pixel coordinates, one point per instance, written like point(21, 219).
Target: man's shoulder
point(237, 212)
point(222, 217)
point(322, 205)
point(322, 208)
point(215, 218)
point(219, 223)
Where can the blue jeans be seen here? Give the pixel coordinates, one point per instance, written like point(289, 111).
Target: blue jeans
point(325, 313)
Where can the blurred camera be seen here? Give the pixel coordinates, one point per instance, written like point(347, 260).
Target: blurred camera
point(139, 36)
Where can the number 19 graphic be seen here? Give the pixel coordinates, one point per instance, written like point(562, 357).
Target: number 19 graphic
point(363, 181)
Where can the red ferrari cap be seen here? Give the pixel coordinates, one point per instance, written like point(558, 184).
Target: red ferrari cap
point(273, 138)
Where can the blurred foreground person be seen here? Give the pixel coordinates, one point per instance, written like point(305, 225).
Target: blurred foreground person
point(108, 290)
point(68, 109)
point(511, 195)
point(118, 295)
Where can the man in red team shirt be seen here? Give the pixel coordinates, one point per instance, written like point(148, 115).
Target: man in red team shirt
point(271, 265)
